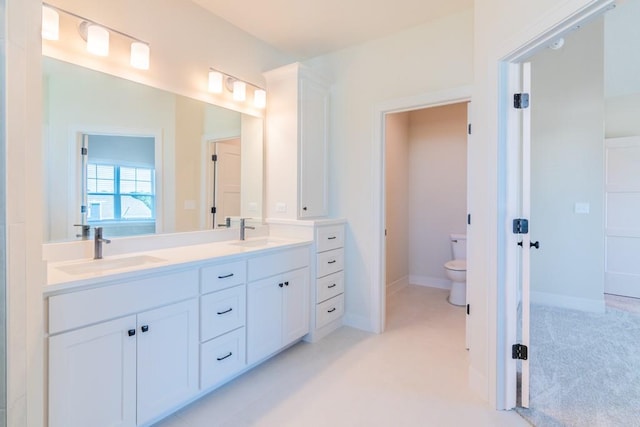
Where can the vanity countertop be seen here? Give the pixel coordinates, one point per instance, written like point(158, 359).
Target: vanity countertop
point(75, 275)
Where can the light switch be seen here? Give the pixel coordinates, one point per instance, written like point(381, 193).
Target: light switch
point(582, 208)
point(253, 207)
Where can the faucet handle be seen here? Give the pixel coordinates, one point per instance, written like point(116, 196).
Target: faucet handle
point(86, 230)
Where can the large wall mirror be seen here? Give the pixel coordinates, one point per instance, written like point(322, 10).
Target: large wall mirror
point(137, 160)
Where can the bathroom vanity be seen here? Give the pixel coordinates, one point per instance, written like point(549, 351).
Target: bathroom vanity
point(135, 336)
point(131, 342)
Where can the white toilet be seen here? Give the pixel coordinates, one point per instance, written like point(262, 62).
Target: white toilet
point(456, 270)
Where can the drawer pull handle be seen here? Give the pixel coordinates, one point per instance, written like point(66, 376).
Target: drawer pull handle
point(331, 238)
point(226, 276)
point(332, 310)
point(145, 328)
point(226, 311)
point(332, 286)
point(224, 357)
point(333, 261)
point(131, 332)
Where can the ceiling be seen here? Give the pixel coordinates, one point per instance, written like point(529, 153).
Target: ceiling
point(308, 28)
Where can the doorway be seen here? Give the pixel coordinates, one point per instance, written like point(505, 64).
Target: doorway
point(223, 182)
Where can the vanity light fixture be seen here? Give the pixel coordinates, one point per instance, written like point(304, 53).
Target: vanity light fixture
point(259, 98)
point(215, 81)
point(140, 55)
point(50, 23)
point(239, 90)
point(96, 35)
point(97, 40)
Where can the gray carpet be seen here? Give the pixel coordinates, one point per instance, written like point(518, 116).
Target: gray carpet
point(585, 368)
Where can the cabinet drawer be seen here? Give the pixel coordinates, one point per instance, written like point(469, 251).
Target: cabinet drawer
point(330, 237)
point(330, 310)
point(222, 357)
point(76, 309)
point(279, 262)
point(329, 286)
point(329, 262)
point(222, 312)
point(222, 276)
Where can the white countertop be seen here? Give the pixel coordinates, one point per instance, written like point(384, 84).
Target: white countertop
point(90, 273)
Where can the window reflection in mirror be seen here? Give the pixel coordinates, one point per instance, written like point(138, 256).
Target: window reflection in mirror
point(118, 174)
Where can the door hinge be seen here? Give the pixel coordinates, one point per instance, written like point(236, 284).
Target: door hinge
point(214, 157)
point(84, 151)
point(519, 352)
point(520, 226)
point(469, 128)
point(83, 209)
point(213, 209)
point(468, 219)
point(521, 100)
point(468, 309)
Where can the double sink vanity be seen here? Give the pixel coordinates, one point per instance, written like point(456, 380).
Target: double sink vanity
point(134, 337)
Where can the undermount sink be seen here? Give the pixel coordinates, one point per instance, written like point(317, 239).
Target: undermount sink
point(100, 265)
point(258, 242)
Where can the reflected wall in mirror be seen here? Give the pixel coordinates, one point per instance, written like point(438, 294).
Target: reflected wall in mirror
point(186, 133)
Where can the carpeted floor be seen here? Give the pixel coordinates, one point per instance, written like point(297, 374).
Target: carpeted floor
point(585, 367)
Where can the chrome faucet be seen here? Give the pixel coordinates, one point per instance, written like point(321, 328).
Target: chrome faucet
point(86, 231)
point(97, 243)
point(243, 227)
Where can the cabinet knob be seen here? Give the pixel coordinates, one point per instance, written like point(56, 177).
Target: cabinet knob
point(280, 284)
point(304, 208)
point(144, 328)
point(286, 283)
point(131, 332)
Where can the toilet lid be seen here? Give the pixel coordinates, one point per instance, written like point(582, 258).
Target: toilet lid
point(456, 264)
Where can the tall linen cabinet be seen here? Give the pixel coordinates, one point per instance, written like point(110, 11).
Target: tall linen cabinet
point(297, 131)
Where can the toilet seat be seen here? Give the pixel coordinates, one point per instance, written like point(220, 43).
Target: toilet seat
point(456, 265)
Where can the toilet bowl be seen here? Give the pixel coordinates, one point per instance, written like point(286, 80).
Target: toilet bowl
point(456, 270)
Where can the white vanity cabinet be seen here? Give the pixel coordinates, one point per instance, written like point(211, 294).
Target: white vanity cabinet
point(222, 322)
point(328, 298)
point(277, 305)
point(297, 142)
point(129, 370)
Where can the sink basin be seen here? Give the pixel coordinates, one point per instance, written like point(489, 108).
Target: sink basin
point(259, 242)
point(103, 265)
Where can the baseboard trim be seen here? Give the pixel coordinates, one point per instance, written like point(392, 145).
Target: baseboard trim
point(431, 282)
point(564, 301)
point(397, 285)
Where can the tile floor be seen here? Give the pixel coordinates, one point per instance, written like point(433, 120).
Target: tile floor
point(415, 374)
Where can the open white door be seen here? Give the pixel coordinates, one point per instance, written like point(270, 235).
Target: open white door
point(522, 232)
point(223, 181)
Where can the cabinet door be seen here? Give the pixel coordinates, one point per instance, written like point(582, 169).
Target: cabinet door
point(92, 376)
point(167, 359)
point(264, 318)
point(314, 105)
point(295, 305)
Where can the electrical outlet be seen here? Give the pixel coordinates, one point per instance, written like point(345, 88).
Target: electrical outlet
point(281, 207)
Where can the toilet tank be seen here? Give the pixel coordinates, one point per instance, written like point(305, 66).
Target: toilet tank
point(459, 246)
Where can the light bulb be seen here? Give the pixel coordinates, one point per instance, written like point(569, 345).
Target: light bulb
point(97, 40)
point(50, 23)
point(140, 55)
point(239, 90)
point(259, 98)
point(215, 81)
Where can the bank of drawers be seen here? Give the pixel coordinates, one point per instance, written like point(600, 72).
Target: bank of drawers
point(329, 274)
point(222, 322)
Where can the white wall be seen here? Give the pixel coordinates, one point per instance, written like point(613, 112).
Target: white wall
point(438, 189)
point(427, 58)
point(567, 131)
point(397, 200)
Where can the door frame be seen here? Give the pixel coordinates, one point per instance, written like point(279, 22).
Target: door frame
point(510, 171)
point(378, 273)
